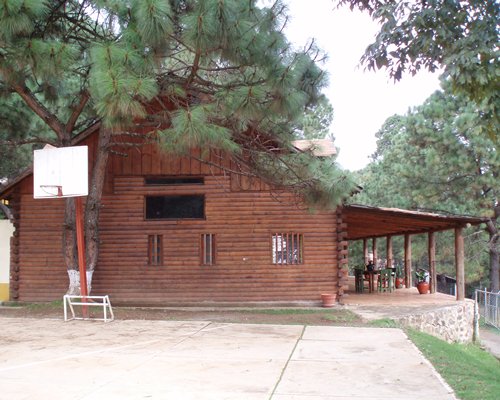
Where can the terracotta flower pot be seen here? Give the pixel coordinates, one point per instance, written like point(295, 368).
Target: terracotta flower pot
point(399, 283)
point(423, 288)
point(328, 300)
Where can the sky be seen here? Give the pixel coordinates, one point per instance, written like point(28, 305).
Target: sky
point(362, 100)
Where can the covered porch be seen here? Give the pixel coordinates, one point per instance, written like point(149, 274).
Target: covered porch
point(376, 226)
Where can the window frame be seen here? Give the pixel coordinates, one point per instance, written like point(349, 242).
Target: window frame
point(297, 244)
point(177, 218)
point(208, 258)
point(173, 180)
point(155, 250)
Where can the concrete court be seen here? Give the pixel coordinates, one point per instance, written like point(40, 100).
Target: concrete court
point(87, 360)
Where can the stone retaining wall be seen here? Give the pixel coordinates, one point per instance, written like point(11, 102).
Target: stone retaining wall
point(451, 323)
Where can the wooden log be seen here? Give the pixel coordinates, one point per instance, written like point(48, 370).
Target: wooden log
point(389, 251)
point(431, 251)
point(408, 269)
point(459, 263)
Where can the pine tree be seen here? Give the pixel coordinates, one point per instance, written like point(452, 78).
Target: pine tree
point(233, 80)
point(437, 157)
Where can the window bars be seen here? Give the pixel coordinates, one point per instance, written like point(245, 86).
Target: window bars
point(155, 249)
point(288, 248)
point(207, 249)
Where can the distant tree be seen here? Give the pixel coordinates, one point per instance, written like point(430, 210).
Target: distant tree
point(436, 157)
point(316, 121)
point(459, 37)
point(225, 67)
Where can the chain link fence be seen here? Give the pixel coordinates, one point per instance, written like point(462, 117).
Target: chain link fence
point(488, 303)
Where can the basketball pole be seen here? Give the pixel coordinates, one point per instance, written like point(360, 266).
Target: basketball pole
point(80, 240)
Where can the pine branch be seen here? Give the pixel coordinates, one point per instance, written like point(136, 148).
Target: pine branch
point(32, 102)
point(70, 125)
point(194, 68)
point(118, 153)
point(234, 85)
point(32, 140)
point(225, 169)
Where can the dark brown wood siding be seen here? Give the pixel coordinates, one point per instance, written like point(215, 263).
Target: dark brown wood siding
point(243, 215)
point(42, 273)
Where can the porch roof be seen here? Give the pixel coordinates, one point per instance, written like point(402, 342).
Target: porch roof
point(365, 222)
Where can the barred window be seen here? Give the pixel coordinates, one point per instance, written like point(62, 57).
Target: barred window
point(155, 250)
point(207, 249)
point(288, 248)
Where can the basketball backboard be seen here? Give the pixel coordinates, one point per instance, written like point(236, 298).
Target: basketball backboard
point(60, 172)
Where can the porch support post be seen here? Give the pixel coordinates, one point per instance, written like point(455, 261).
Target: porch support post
point(389, 252)
point(374, 249)
point(365, 251)
point(459, 263)
point(432, 260)
point(408, 280)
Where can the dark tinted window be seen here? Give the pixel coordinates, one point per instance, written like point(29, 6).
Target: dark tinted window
point(174, 181)
point(175, 207)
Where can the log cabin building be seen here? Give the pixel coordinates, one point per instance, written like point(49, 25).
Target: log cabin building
point(182, 231)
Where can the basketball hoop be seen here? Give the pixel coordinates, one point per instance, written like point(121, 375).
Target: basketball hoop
point(56, 190)
point(63, 172)
point(60, 172)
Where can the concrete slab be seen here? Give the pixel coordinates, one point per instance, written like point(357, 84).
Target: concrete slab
point(361, 363)
point(79, 360)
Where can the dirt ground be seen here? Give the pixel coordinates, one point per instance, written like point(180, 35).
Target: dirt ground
point(337, 316)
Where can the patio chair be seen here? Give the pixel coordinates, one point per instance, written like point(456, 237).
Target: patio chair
point(385, 281)
point(359, 279)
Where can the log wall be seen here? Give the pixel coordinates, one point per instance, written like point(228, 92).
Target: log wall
point(241, 212)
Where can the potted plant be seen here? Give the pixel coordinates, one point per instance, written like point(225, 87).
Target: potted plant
point(328, 299)
point(422, 281)
point(400, 280)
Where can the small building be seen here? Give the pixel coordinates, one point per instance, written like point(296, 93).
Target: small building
point(446, 284)
point(190, 230)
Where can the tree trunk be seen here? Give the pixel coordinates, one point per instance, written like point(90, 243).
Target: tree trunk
point(93, 204)
point(494, 271)
point(492, 229)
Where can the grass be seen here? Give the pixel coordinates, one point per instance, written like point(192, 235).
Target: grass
point(383, 323)
point(290, 311)
point(56, 304)
point(333, 315)
point(491, 328)
point(473, 373)
point(344, 316)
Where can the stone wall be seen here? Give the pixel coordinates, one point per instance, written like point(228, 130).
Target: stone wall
point(451, 323)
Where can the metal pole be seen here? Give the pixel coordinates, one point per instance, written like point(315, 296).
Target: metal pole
point(80, 240)
point(475, 332)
